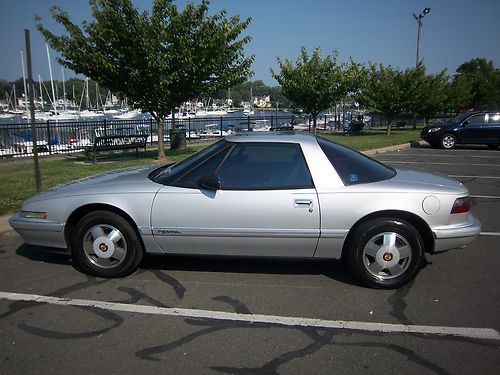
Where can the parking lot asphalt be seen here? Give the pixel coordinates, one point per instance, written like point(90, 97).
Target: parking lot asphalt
point(182, 315)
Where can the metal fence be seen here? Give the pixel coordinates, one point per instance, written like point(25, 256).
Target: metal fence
point(75, 136)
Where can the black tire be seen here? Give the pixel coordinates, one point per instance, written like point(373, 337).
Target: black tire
point(379, 261)
point(106, 245)
point(448, 141)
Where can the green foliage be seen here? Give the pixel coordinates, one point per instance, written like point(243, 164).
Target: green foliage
point(157, 60)
point(313, 83)
point(482, 81)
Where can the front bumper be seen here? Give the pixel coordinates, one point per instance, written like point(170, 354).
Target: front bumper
point(39, 232)
point(446, 238)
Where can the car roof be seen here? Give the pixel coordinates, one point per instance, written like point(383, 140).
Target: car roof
point(276, 137)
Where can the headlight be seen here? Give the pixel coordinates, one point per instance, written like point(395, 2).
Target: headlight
point(434, 130)
point(33, 215)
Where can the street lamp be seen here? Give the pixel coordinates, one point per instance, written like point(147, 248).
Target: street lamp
point(419, 21)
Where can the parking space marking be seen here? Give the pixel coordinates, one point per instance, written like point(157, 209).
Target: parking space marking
point(444, 155)
point(485, 196)
point(435, 163)
point(489, 234)
point(474, 333)
point(485, 177)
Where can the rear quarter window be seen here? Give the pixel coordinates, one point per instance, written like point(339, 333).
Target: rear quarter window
point(353, 167)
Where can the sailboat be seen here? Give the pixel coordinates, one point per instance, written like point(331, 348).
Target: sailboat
point(248, 109)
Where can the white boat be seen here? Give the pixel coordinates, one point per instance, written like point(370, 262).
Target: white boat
point(6, 116)
point(87, 114)
point(212, 113)
point(129, 115)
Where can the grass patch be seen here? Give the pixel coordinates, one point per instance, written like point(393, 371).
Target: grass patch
point(17, 181)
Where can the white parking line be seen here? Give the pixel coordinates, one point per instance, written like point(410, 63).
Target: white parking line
point(485, 196)
point(486, 177)
point(431, 163)
point(490, 234)
point(445, 155)
point(475, 333)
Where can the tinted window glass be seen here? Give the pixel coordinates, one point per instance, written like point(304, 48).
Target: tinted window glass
point(265, 166)
point(173, 173)
point(353, 167)
point(208, 168)
point(476, 120)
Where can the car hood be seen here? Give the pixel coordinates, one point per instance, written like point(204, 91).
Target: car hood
point(127, 180)
point(416, 179)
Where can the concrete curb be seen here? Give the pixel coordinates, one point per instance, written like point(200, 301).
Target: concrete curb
point(4, 220)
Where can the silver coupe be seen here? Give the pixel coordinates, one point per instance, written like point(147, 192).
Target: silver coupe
point(263, 194)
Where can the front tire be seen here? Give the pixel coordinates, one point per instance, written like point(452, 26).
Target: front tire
point(385, 253)
point(106, 245)
point(448, 141)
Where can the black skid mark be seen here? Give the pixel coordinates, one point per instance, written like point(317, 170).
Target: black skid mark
point(147, 353)
point(271, 367)
point(179, 289)
point(136, 296)
point(239, 307)
point(399, 305)
point(108, 315)
point(17, 306)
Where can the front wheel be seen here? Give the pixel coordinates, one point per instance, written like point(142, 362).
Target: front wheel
point(106, 245)
point(386, 253)
point(448, 141)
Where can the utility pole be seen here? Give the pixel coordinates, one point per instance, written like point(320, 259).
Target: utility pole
point(419, 19)
point(38, 179)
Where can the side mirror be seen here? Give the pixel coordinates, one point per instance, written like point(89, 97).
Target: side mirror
point(210, 183)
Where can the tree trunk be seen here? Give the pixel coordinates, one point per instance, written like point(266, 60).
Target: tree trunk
point(389, 121)
point(314, 124)
point(414, 122)
point(161, 132)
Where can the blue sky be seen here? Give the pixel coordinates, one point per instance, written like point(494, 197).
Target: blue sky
point(382, 31)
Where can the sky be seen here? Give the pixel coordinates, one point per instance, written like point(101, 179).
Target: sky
point(382, 31)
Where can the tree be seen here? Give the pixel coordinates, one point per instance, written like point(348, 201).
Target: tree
point(383, 91)
point(157, 60)
point(313, 83)
point(484, 81)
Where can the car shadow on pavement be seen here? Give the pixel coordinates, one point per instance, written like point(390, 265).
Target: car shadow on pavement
point(333, 269)
point(44, 254)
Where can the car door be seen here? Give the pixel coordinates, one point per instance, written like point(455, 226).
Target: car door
point(472, 129)
point(262, 203)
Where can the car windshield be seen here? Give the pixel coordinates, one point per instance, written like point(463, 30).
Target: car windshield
point(353, 167)
point(173, 171)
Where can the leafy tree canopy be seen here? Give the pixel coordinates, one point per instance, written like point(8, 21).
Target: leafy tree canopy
point(157, 60)
point(313, 83)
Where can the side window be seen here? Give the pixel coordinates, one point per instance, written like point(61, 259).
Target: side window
point(494, 118)
point(265, 166)
point(476, 120)
point(208, 168)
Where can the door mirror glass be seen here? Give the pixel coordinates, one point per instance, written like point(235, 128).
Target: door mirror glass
point(210, 183)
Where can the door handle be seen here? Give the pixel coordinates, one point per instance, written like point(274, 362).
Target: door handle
point(303, 203)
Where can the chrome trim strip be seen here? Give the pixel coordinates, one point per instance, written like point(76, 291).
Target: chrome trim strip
point(236, 232)
point(334, 233)
point(145, 230)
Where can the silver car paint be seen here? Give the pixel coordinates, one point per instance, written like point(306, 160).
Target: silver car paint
point(247, 223)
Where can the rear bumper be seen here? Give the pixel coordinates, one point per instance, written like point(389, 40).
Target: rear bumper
point(39, 232)
point(446, 238)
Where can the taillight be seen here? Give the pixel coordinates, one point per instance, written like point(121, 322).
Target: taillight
point(461, 205)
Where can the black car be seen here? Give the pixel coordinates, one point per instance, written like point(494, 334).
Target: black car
point(466, 128)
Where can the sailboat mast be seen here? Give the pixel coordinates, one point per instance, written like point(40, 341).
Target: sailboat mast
point(41, 91)
point(51, 80)
point(64, 89)
point(24, 82)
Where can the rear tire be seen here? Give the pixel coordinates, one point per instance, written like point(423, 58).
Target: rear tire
point(385, 253)
point(448, 141)
point(106, 245)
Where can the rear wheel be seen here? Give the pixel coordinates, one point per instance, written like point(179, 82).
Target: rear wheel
point(448, 141)
point(106, 245)
point(386, 253)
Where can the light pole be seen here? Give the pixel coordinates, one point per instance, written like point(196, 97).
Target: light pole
point(419, 19)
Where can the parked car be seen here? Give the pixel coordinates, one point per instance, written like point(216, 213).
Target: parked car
point(466, 128)
point(276, 194)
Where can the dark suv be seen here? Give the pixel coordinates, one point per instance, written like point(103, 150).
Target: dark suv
point(466, 128)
